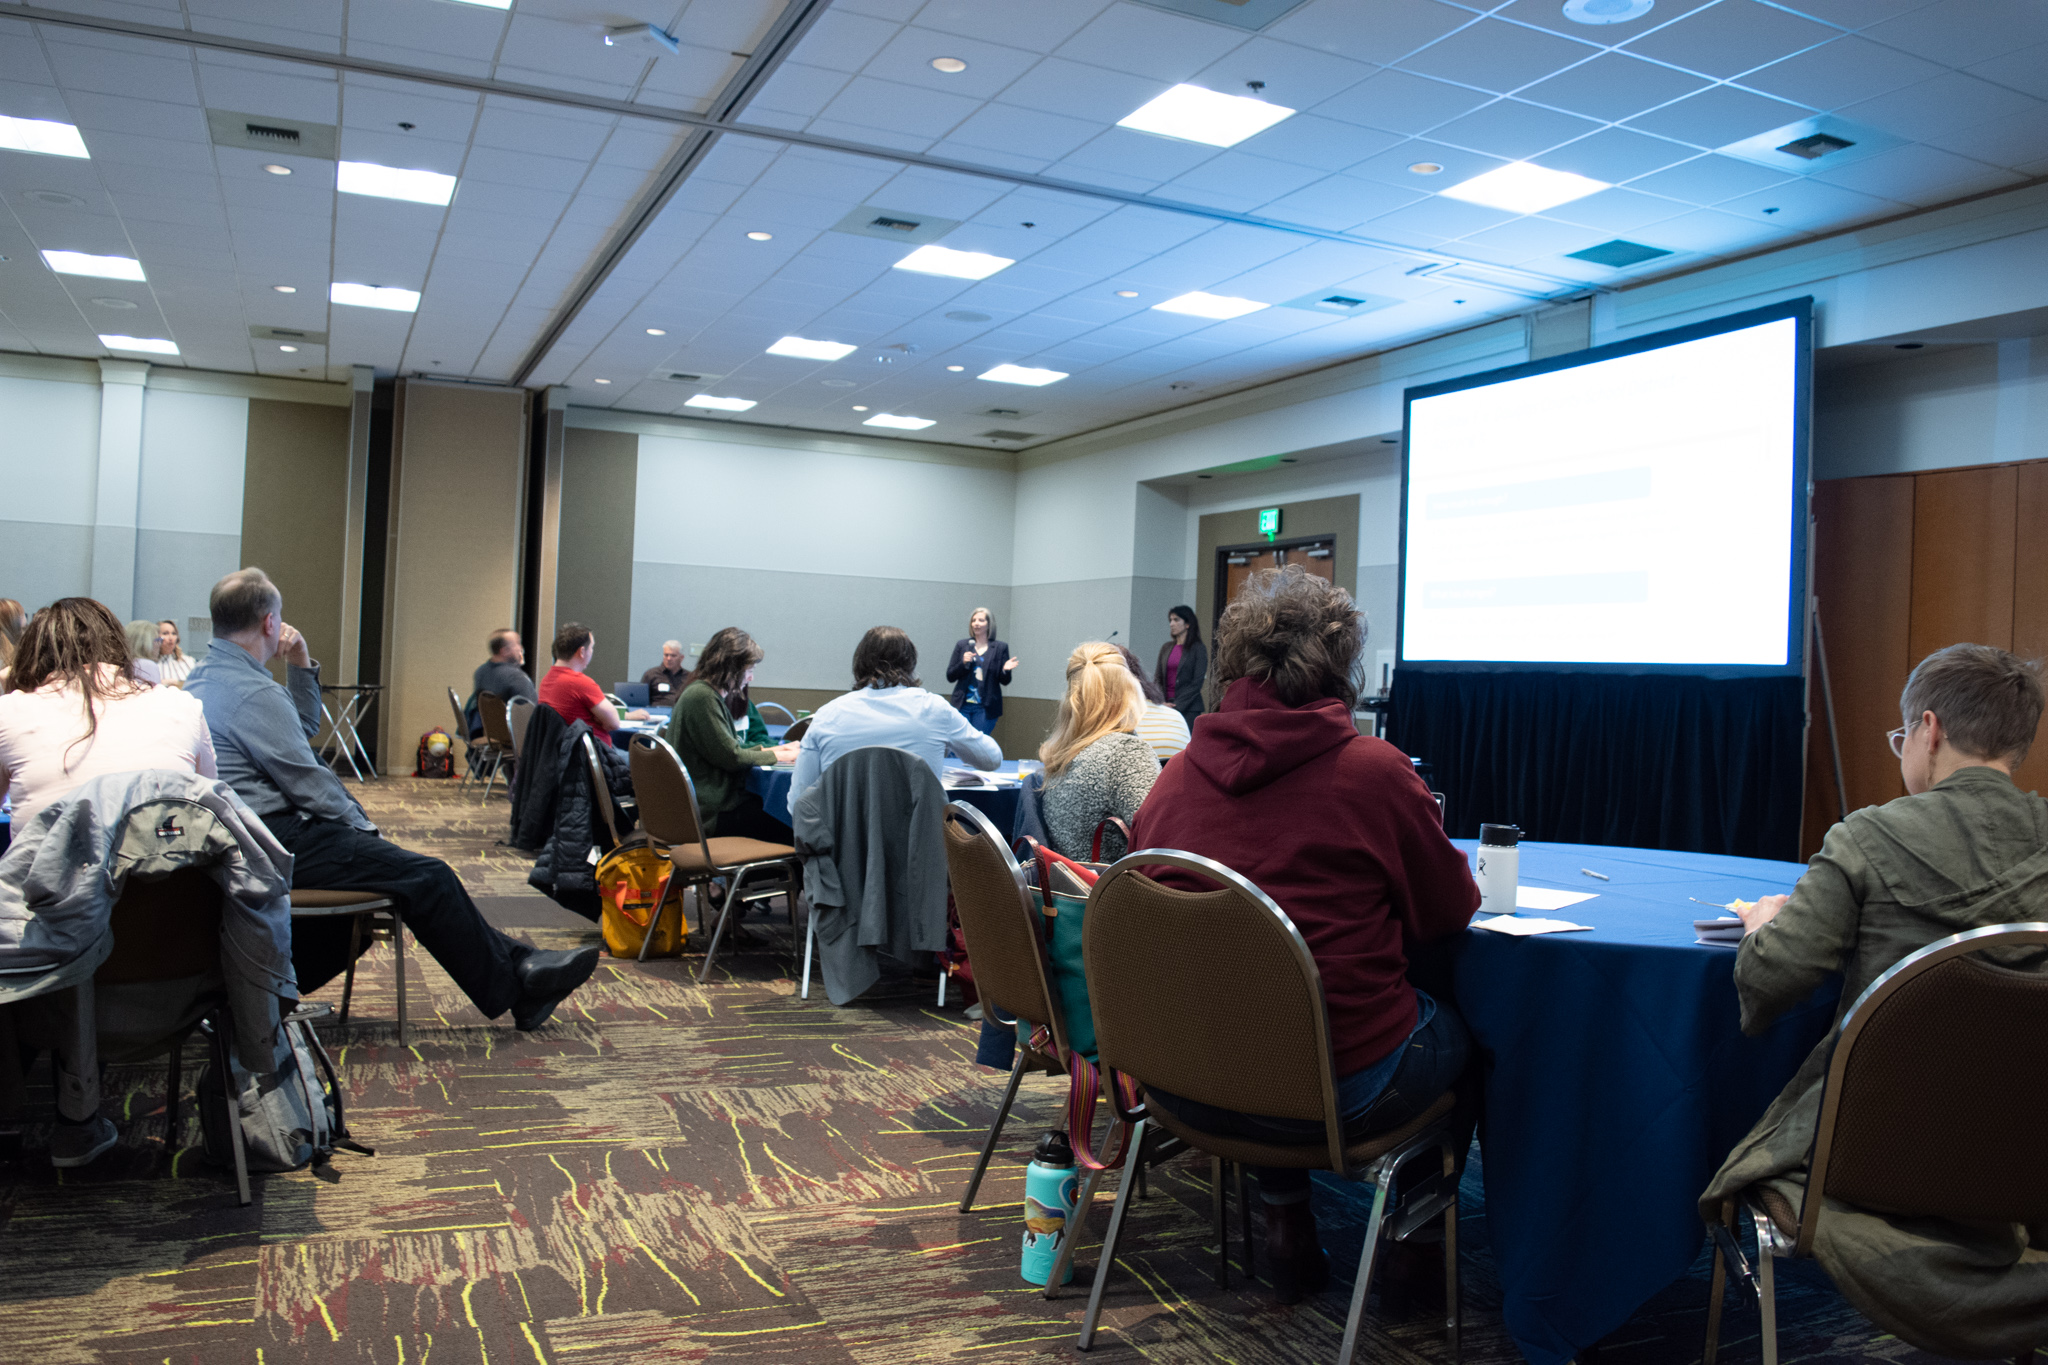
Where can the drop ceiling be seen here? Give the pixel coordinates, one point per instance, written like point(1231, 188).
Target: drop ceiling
point(600, 228)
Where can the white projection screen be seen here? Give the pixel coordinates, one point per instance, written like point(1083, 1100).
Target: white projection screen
point(1639, 507)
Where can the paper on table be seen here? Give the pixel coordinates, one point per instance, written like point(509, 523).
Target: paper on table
point(1524, 925)
point(1543, 898)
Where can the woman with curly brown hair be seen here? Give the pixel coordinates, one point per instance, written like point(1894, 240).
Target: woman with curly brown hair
point(700, 728)
point(1279, 786)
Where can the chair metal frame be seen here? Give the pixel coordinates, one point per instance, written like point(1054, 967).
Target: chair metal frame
point(1759, 1281)
point(498, 741)
point(374, 917)
point(472, 749)
point(764, 705)
point(518, 716)
point(1411, 1211)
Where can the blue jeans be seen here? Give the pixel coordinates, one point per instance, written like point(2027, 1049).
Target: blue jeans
point(977, 716)
point(1376, 1099)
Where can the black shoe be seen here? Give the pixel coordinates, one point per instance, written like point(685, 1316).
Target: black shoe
point(545, 980)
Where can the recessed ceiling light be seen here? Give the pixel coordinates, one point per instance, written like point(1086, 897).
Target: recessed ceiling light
point(1192, 114)
point(1520, 187)
point(45, 137)
point(1606, 11)
point(860, 407)
point(952, 66)
point(600, 381)
point(760, 236)
point(287, 348)
point(894, 423)
point(276, 169)
point(1024, 374)
point(1127, 293)
point(961, 265)
point(1427, 168)
point(149, 345)
point(101, 267)
point(114, 303)
point(656, 332)
point(705, 400)
point(487, 4)
point(956, 368)
point(1201, 305)
point(375, 296)
point(838, 383)
point(388, 182)
point(803, 348)
point(285, 288)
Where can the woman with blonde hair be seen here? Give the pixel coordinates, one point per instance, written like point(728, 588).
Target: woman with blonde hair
point(172, 663)
point(142, 653)
point(1095, 764)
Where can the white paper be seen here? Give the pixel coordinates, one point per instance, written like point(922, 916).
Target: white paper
point(1543, 898)
point(1524, 925)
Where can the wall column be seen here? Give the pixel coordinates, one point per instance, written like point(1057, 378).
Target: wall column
point(118, 494)
point(363, 380)
point(548, 544)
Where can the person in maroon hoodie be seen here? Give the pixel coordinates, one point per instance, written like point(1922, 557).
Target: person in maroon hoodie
point(1278, 785)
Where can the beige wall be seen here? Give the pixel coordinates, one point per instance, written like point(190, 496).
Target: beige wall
point(295, 487)
point(458, 459)
point(594, 563)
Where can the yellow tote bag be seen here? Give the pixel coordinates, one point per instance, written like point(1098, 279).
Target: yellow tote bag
point(631, 882)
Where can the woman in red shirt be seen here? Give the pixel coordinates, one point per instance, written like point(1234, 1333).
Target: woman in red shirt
point(1278, 785)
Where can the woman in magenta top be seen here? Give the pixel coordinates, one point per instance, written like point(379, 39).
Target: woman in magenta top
point(1183, 664)
point(1278, 785)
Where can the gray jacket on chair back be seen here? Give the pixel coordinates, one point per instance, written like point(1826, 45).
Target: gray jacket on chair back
point(877, 874)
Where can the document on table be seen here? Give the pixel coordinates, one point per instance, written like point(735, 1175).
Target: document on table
point(968, 777)
point(1522, 926)
point(1544, 898)
point(1718, 933)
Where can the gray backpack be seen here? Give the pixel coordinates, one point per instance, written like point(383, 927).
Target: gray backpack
point(291, 1117)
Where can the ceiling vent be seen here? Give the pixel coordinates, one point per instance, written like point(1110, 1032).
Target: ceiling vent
point(1820, 143)
point(683, 376)
point(291, 334)
point(1618, 254)
point(1245, 14)
point(1004, 412)
point(1000, 435)
point(895, 225)
point(272, 136)
point(1343, 303)
point(1816, 146)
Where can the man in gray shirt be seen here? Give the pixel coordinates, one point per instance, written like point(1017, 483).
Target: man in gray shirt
point(262, 740)
point(504, 673)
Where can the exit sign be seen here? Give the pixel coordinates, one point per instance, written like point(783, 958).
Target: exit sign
point(1269, 522)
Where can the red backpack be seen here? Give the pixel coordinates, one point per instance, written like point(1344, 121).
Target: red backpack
point(437, 754)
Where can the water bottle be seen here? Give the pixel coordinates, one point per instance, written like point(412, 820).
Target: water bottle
point(1498, 866)
point(1049, 1192)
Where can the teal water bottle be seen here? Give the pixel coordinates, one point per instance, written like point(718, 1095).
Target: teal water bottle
point(1049, 1192)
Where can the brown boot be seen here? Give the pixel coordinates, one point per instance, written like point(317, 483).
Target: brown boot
point(1294, 1252)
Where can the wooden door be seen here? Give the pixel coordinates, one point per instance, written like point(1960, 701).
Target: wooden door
point(1319, 559)
point(1238, 565)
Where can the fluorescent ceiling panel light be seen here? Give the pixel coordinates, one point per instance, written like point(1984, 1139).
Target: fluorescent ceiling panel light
point(150, 345)
point(1192, 114)
point(101, 267)
point(388, 182)
point(1520, 187)
point(804, 348)
point(487, 4)
point(43, 136)
point(276, 169)
point(705, 400)
point(961, 265)
point(883, 419)
point(1201, 305)
point(1024, 374)
point(373, 296)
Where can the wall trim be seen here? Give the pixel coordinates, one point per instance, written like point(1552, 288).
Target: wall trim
point(788, 438)
point(177, 379)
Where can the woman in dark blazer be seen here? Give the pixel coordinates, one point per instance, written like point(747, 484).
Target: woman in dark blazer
point(978, 667)
point(1183, 663)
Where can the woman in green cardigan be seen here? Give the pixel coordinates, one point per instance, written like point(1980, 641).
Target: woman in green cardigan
point(701, 730)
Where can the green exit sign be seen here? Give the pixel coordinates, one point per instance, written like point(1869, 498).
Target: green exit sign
point(1269, 522)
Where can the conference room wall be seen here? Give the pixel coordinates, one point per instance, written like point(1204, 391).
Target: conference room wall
point(1935, 408)
point(293, 485)
point(594, 558)
point(189, 511)
point(47, 466)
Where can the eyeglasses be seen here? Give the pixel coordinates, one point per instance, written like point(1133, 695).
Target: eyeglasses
point(1897, 739)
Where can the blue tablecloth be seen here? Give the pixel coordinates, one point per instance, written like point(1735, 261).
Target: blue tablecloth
point(999, 804)
point(1617, 1080)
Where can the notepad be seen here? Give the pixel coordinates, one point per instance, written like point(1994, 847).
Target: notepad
point(1718, 933)
point(1522, 926)
point(1544, 898)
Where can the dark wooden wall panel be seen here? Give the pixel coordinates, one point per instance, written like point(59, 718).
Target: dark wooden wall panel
point(2030, 596)
point(1963, 533)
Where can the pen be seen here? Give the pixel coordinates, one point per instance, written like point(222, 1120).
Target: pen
point(1591, 873)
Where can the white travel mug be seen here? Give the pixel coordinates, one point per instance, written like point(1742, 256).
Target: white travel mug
point(1497, 866)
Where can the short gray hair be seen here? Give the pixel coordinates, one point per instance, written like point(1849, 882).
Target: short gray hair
point(239, 601)
point(1989, 701)
point(676, 645)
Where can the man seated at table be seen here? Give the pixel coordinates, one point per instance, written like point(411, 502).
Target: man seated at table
point(567, 687)
point(891, 709)
point(1964, 849)
point(1279, 786)
point(665, 680)
point(504, 673)
point(262, 737)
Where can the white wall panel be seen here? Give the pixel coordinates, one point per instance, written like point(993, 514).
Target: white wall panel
point(194, 447)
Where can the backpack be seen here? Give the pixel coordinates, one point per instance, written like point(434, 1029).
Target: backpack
point(432, 763)
point(630, 880)
point(291, 1117)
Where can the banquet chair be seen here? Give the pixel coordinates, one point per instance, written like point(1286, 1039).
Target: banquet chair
point(670, 816)
point(372, 917)
point(1913, 1121)
point(797, 730)
point(518, 715)
point(1247, 1030)
point(473, 749)
point(788, 716)
point(497, 740)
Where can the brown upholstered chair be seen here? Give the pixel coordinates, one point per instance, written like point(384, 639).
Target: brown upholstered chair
point(518, 715)
point(372, 917)
point(1214, 996)
point(797, 729)
point(668, 813)
point(1918, 1117)
point(497, 741)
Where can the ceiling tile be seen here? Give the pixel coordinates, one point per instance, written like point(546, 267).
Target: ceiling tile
point(1717, 117)
point(1024, 132)
point(1617, 211)
point(147, 74)
point(1810, 205)
point(1922, 175)
point(1340, 203)
point(1512, 129)
point(550, 134)
point(2025, 70)
point(1527, 239)
point(308, 97)
point(842, 40)
point(692, 77)
point(1708, 180)
point(1549, 14)
point(1240, 173)
point(1614, 155)
point(1294, 76)
point(1149, 42)
point(1731, 37)
point(990, 66)
point(797, 88)
point(1327, 144)
point(1496, 55)
point(898, 108)
point(1381, 31)
point(1391, 166)
point(2015, 142)
point(1854, 14)
point(1932, 108)
point(1058, 86)
point(1399, 102)
point(1715, 233)
point(1139, 154)
point(1841, 72)
point(1434, 221)
point(1960, 32)
point(1613, 86)
point(1039, 26)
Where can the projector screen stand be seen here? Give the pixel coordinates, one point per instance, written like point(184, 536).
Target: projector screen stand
point(1827, 693)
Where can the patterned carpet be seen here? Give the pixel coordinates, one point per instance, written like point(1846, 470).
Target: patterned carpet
point(669, 1173)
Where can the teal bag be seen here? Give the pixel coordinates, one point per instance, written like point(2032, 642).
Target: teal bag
point(1062, 885)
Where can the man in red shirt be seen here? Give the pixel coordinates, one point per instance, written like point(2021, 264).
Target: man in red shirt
point(566, 688)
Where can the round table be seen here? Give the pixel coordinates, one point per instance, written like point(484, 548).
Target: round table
point(999, 804)
point(1617, 1079)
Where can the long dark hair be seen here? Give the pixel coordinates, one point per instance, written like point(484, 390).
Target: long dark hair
point(1193, 636)
point(885, 657)
point(70, 642)
point(725, 659)
point(1154, 693)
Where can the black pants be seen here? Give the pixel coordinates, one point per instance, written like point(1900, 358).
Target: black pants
point(750, 820)
point(330, 856)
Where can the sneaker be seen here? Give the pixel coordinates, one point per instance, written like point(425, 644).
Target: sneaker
point(76, 1144)
point(545, 980)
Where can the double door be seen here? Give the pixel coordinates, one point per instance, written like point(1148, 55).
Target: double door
point(1236, 563)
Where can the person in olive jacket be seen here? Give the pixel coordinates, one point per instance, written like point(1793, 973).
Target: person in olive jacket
point(1183, 664)
point(978, 668)
point(700, 729)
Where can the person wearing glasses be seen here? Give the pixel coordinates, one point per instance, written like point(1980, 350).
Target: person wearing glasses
point(1963, 849)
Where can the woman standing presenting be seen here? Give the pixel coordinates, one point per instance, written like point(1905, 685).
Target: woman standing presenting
point(978, 669)
point(1183, 663)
